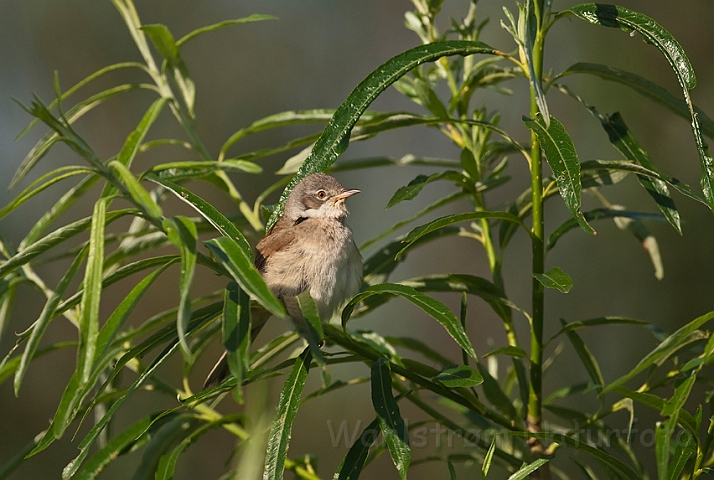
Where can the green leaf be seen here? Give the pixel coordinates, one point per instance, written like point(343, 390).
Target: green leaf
point(657, 403)
point(180, 171)
point(569, 327)
point(133, 141)
point(120, 315)
point(555, 278)
point(531, 30)
point(226, 23)
point(526, 470)
point(420, 347)
point(182, 233)
point(335, 138)
point(459, 376)
point(391, 423)
point(61, 174)
point(442, 222)
point(410, 191)
point(279, 437)
point(89, 307)
point(115, 447)
point(40, 326)
point(598, 214)
point(241, 268)
point(201, 318)
point(224, 226)
point(306, 319)
point(586, 357)
point(55, 238)
point(434, 308)
point(511, 351)
point(351, 466)
point(488, 458)
point(49, 139)
point(563, 160)
point(644, 87)
point(664, 349)
point(655, 34)
point(138, 194)
point(236, 333)
point(682, 453)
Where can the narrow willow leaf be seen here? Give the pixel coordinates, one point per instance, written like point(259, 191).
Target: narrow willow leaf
point(526, 470)
point(459, 376)
point(657, 403)
point(664, 349)
point(531, 30)
point(202, 317)
point(121, 314)
point(391, 423)
point(608, 167)
point(179, 171)
point(589, 361)
point(226, 23)
point(29, 192)
point(182, 233)
point(55, 238)
point(280, 430)
point(556, 279)
point(434, 308)
point(682, 453)
point(665, 430)
point(655, 34)
point(442, 222)
point(382, 263)
point(138, 194)
point(495, 394)
point(644, 87)
point(410, 191)
point(241, 268)
point(351, 466)
point(335, 138)
point(598, 214)
point(621, 468)
point(133, 141)
point(621, 137)
point(167, 463)
point(45, 143)
point(40, 326)
point(563, 160)
point(569, 327)
point(115, 447)
point(236, 333)
point(488, 458)
point(89, 307)
point(306, 318)
point(511, 351)
point(420, 347)
point(224, 226)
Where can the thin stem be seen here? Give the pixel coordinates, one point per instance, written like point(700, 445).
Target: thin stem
point(535, 396)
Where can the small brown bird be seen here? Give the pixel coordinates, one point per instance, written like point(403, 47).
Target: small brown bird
point(308, 249)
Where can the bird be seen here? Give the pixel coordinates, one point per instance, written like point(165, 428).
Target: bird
point(310, 248)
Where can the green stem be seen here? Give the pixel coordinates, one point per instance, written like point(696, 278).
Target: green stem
point(538, 260)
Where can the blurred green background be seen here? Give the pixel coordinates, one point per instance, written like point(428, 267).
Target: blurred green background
point(312, 57)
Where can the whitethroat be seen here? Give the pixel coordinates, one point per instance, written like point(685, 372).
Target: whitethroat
point(308, 249)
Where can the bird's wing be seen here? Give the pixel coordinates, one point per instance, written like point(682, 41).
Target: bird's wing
point(277, 240)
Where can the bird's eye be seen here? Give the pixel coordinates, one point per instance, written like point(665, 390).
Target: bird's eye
point(321, 194)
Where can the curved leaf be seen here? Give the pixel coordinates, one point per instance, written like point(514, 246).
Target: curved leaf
point(224, 226)
point(442, 222)
point(586, 356)
point(138, 194)
point(335, 138)
point(434, 308)
point(569, 327)
point(241, 268)
point(598, 214)
point(279, 437)
point(531, 30)
point(459, 376)
point(40, 326)
point(182, 233)
point(563, 160)
point(351, 466)
point(555, 278)
point(655, 34)
point(527, 469)
point(410, 191)
point(226, 23)
point(393, 428)
point(664, 349)
point(644, 87)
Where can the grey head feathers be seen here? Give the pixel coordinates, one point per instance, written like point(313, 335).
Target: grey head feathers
point(317, 196)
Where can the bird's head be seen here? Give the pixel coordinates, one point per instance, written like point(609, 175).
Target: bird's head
point(317, 196)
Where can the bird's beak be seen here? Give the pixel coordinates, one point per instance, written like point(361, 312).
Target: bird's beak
point(345, 194)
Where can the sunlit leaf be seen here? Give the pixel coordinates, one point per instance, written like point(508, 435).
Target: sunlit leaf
point(555, 278)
